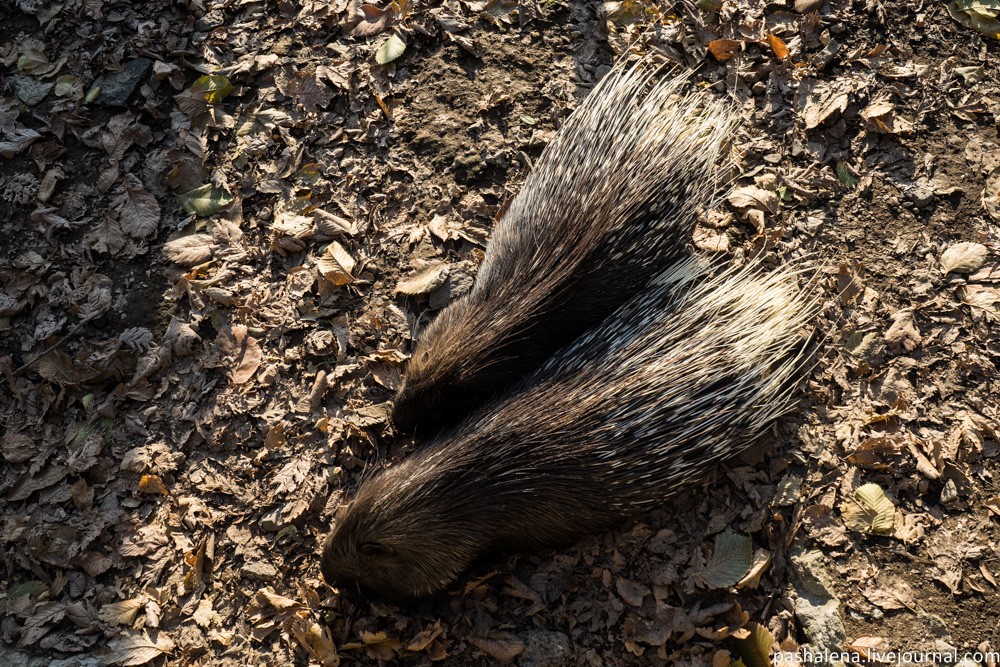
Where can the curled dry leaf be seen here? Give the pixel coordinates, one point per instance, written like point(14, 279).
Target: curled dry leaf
point(724, 49)
point(761, 563)
point(316, 640)
point(964, 257)
point(817, 101)
point(751, 196)
point(152, 484)
point(903, 332)
point(189, 250)
point(881, 114)
point(336, 265)
point(425, 280)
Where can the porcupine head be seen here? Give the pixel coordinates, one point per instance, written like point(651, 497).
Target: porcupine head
point(397, 539)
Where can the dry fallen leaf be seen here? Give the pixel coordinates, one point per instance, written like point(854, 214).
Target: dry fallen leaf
point(243, 352)
point(870, 511)
point(502, 646)
point(724, 49)
point(189, 250)
point(778, 46)
point(964, 257)
point(336, 265)
point(425, 280)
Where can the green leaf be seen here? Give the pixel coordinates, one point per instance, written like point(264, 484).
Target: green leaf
point(213, 88)
point(391, 49)
point(204, 200)
point(846, 176)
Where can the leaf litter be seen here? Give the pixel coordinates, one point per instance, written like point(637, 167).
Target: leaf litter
point(209, 290)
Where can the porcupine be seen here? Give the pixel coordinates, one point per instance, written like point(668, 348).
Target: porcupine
point(611, 203)
point(607, 428)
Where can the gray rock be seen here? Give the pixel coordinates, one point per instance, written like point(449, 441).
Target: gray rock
point(259, 571)
point(816, 606)
point(118, 88)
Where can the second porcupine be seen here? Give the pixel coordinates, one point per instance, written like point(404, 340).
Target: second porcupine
point(607, 428)
point(611, 203)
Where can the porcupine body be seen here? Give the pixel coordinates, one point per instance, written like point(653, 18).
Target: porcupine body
point(611, 202)
point(607, 428)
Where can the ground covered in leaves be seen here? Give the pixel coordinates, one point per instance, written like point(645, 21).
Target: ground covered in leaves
point(224, 222)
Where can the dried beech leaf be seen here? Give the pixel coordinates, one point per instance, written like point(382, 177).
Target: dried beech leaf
point(137, 648)
point(984, 300)
point(731, 558)
point(424, 281)
point(242, 351)
point(391, 49)
point(140, 215)
point(870, 511)
point(724, 49)
point(189, 250)
point(121, 613)
point(336, 265)
point(964, 257)
point(503, 646)
point(316, 640)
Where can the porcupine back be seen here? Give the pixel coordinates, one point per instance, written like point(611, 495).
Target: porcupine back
point(611, 203)
point(608, 427)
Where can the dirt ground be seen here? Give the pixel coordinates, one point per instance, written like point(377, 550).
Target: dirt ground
point(210, 216)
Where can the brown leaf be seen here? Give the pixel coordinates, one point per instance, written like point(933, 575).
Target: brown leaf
point(426, 280)
point(724, 49)
point(152, 484)
point(336, 265)
point(502, 646)
point(903, 332)
point(964, 257)
point(121, 613)
point(778, 46)
point(242, 351)
point(140, 212)
point(189, 250)
point(137, 648)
